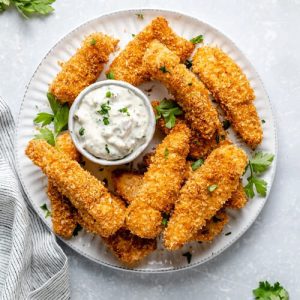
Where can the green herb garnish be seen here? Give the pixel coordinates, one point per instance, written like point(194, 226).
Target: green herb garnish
point(188, 256)
point(43, 118)
point(164, 69)
point(166, 153)
point(212, 187)
point(81, 131)
point(28, 8)
point(93, 42)
point(263, 121)
point(257, 165)
point(165, 219)
point(168, 109)
point(225, 124)
point(266, 291)
point(105, 108)
point(77, 229)
point(188, 63)
point(140, 16)
point(133, 35)
point(106, 148)
point(197, 39)
point(110, 75)
point(46, 210)
point(125, 111)
point(197, 164)
point(108, 94)
point(47, 135)
point(105, 120)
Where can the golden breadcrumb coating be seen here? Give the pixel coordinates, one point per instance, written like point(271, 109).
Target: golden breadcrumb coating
point(63, 214)
point(127, 66)
point(129, 248)
point(164, 65)
point(231, 88)
point(127, 184)
point(196, 203)
point(83, 68)
point(161, 184)
point(83, 190)
point(238, 198)
point(212, 228)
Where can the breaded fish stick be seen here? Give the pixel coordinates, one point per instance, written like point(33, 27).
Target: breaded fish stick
point(83, 190)
point(161, 184)
point(231, 88)
point(204, 193)
point(63, 214)
point(83, 68)
point(164, 65)
point(127, 66)
point(129, 248)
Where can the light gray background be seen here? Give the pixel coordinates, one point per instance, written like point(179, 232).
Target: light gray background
point(268, 33)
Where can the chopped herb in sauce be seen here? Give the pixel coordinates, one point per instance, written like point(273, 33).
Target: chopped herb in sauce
point(212, 187)
point(188, 256)
point(197, 164)
point(81, 131)
point(197, 39)
point(108, 94)
point(104, 109)
point(106, 148)
point(105, 120)
point(125, 111)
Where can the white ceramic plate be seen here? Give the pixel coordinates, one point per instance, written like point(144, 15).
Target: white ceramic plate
point(122, 25)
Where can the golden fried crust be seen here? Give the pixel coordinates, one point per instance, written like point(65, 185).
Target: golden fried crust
point(196, 204)
point(65, 144)
point(212, 228)
point(82, 189)
point(129, 248)
point(63, 215)
point(189, 92)
point(231, 88)
point(238, 198)
point(127, 66)
point(127, 184)
point(83, 68)
point(161, 184)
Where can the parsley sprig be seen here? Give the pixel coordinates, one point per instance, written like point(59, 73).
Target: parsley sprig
point(44, 207)
point(59, 118)
point(266, 291)
point(257, 165)
point(29, 7)
point(168, 109)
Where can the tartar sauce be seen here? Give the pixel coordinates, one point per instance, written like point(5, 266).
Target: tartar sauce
point(111, 122)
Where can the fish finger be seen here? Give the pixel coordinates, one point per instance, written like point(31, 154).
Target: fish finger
point(164, 65)
point(83, 190)
point(231, 88)
point(204, 193)
point(161, 184)
point(127, 66)
point(83, 68)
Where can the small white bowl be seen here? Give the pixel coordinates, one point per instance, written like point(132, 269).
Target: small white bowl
point(133, 155)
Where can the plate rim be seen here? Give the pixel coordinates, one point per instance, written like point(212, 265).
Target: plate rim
point(121, 267)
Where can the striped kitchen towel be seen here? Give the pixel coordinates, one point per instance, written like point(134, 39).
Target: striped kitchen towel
point(32, 265)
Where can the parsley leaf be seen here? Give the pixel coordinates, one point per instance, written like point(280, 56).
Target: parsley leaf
point(29, 7)
point(46, 210)
point(266, 291)
point(54, 104)
point(110, 75)
point(197, 164)
point(257, 165)
point(164, 69)
point(197, 39)
point(61, 119)
point(168, 109)
point(4, 4)
point(212, 187)
point(44, 118)
point(47, 135)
